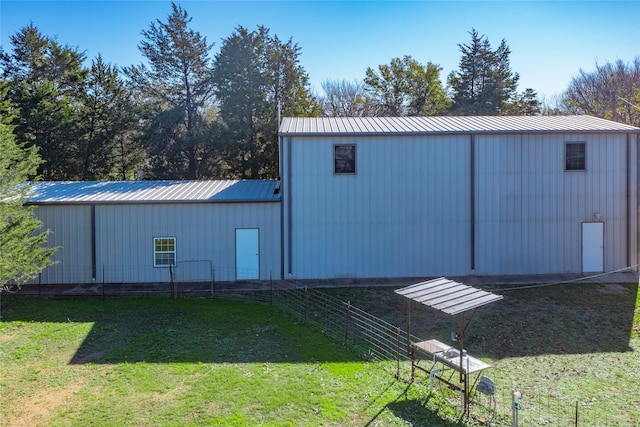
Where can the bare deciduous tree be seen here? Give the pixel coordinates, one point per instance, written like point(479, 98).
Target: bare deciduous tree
point(612, 92)
point(344, 98)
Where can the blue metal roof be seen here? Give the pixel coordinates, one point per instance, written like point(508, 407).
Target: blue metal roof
point(96, 192)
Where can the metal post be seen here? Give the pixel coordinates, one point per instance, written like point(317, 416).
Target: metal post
point(409, 327)
point(306, 298)
point(398, 353)
point(346, 323)
point(463, 373)
point(515, 407)
point(173, 289)
point(213, 277)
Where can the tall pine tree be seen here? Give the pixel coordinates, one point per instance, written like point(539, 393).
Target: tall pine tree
point(255, 74)
point(177, 90)
point(485, 84)
point(107, 145)
point(46, 83)
point(22, 241)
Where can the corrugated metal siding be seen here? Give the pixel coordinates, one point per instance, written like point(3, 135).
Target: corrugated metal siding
point(300, 126)
point(405, 212)
point(71, 234)
point(530, 210)
point(203, 232)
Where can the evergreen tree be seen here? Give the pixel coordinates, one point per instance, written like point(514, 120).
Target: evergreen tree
point(176, 89)
point(255, 75)
point(46, 85)
point(21, 239)
point(526, 104)
point(240, 83)
point(107, 147)
point(485, 83)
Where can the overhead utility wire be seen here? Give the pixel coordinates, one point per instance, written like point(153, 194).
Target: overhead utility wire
point(634, 106)
point(562, 282)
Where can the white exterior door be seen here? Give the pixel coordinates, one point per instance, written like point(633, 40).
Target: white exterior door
point(247, 254)
point(592, 247)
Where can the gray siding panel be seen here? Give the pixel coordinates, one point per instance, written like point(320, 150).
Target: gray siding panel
point(204, 233)
point(205, 238)
point(70, 228)
point(404, 213)
point(407, 210)
point(530, 210)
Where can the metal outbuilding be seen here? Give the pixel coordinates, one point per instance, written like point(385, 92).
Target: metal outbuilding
point(432, 196)
point(132, 231)
point(371, 197)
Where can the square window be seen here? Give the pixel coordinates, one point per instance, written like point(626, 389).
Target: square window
point(164, 251)
point(344, 159)
point(575, 156)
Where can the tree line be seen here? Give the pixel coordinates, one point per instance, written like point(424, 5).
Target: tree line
point(187, 113)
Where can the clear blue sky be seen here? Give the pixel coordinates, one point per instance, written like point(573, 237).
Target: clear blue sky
point(550, 41)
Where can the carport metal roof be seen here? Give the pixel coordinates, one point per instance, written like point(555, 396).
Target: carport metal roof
point(448, 296)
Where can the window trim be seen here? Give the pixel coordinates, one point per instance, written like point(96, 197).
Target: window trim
point(156, 252)
point(566, 156)
point(355, 159)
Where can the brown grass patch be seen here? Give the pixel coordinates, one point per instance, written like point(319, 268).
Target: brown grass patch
point(36, 410)
point(612, 289)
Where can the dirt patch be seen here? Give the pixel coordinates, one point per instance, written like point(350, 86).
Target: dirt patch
point(612, 289)
point(36, 410)
point(8, 337)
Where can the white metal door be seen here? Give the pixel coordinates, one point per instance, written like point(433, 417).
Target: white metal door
point(247, 254)
point(592, 247)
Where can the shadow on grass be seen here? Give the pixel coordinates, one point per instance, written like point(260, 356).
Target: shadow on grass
point(560, 319)
point(418, 412)
point(153, 330)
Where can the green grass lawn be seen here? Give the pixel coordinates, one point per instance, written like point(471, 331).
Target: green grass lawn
point(152, 361)
point(558, 345)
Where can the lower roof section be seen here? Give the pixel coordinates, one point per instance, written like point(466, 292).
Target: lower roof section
point(97, 192)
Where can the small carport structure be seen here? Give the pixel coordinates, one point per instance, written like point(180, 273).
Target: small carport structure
point(452, 298)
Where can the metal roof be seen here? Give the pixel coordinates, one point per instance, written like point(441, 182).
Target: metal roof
point(310, 126)
point(448, 296)
point(90, 192)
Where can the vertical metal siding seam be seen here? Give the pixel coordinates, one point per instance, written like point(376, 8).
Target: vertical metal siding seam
point(289, 207)
point(472, 201)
